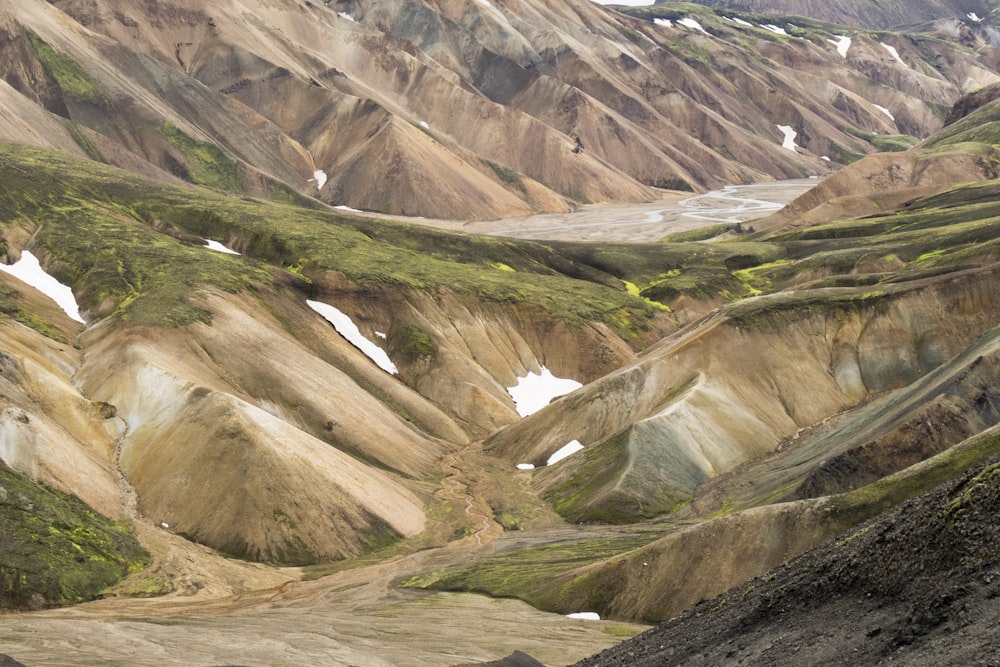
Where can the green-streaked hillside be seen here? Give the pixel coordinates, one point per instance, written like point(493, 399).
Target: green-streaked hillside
point(131, 246)
point(55, 549)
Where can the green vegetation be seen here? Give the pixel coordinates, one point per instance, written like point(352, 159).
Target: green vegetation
point(699, 234)
point(981, 126)
point(66, 73)
point(891, 143)
point(851, 508)
point(521, 573)
point(84, 142)
point(132, 247)
point(54, 549)
point(206, 164)
point(664, 271)
point(507, 175)
point(10, 306)
point(411, 343)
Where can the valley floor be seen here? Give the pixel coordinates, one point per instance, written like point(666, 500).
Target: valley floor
point(674, 212)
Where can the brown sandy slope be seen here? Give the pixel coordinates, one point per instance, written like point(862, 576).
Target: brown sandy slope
point(455, 110)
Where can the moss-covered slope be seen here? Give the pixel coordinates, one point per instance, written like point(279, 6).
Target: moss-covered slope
point(54, 549)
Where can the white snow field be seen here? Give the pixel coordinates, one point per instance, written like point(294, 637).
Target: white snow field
point(843, 44)
point(29, 270)
point(218, 247)
point(534, 391)
point(346, 327)
point(790, 134)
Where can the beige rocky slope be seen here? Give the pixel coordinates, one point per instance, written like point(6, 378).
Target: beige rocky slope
point(459, 110)
point(943, 411)
point(48, 429)
point(881, 182)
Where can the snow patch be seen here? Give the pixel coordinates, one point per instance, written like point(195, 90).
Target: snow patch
point(570, 448)
point(975, 17)
point(691, 24)
point(29, 270)
point(790, 134)
point(775, 29)
point(381, 334)
point(347, 16)
point(666, 23)
point(218, 247)
point(493, 10)
point(885, 111)
point(525, 466)
point(738, 20)
point(894, 53)
point(424, 125)
point(843, 43)
point(534, 391)
point(346, 327)
point(342, 207)
point(320, 177)
point(585, 615)
point(824, 157)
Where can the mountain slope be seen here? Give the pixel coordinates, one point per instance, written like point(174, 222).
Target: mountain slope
point(936, 607)
point(458, 111)
point(241, 419)
point(861, 346)
point(879, 15)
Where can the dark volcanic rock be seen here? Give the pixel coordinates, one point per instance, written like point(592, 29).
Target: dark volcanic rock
point(515, 659)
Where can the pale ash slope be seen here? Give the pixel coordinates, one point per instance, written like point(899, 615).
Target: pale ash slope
point(240, 471)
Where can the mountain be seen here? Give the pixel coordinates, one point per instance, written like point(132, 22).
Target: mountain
point(878, 15)
point(465, 111)
point(281, 414)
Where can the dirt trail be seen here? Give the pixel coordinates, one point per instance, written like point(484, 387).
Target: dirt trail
point(455, 486)
point(226, 611)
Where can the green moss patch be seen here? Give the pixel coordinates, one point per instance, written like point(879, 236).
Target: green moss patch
point(522, 573)
point(132, 246)
point(66, 73)
point(54, 549)
point(205, 164)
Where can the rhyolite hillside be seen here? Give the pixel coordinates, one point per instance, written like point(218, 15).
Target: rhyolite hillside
point(463, 110)
point(197, 176)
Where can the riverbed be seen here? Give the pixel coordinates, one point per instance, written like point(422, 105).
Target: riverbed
point(673, 212)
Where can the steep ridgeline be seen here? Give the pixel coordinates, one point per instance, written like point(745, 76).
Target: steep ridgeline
point(975, 14)
point(467, 110)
